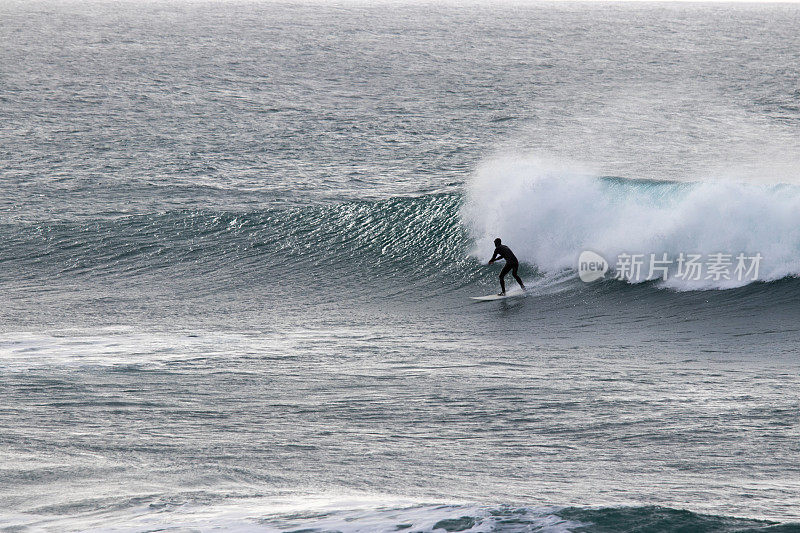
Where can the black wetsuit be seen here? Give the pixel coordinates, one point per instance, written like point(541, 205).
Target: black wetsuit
point(512, 264)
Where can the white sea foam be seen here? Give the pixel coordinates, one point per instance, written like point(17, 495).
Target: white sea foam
point(550, 213)
point(354, 513)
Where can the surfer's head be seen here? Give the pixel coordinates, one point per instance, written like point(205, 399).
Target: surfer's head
point(497, 241)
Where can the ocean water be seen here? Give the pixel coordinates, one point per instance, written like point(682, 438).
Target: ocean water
point(238, 241)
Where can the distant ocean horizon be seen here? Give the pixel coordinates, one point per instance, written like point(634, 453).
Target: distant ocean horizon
point(238, 242)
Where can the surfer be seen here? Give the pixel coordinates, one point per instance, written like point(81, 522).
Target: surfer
point(501, 251)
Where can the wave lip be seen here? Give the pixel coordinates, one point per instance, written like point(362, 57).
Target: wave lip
point(549, 215)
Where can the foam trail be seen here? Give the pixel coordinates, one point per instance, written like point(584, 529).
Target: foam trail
point(549, 213)
point(318, 513)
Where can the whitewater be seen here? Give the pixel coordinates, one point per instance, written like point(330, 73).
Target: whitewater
point(238, 242)
point(553, 213)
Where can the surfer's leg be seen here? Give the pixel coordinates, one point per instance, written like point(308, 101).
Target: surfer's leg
point(514, 273)
point(502, 278)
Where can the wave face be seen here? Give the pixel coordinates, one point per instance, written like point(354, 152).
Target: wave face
point(405, 239)
point(550, 214)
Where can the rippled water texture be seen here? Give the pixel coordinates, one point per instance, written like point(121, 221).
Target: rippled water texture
point(238, 241)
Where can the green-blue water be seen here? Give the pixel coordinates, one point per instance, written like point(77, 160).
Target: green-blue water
point(238, 241)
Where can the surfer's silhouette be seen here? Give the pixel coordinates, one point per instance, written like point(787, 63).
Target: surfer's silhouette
point(501, 251)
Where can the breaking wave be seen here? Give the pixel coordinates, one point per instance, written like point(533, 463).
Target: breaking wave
point(547, 215)
point(550, 214)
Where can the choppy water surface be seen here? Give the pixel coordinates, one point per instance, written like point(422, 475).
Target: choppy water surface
point(237, 242)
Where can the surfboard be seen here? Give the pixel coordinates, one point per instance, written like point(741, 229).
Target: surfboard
point(514, 293)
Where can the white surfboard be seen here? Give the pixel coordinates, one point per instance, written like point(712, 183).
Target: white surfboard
point(514, 293)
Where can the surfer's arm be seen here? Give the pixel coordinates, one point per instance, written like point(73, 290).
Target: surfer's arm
point(494, 257)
